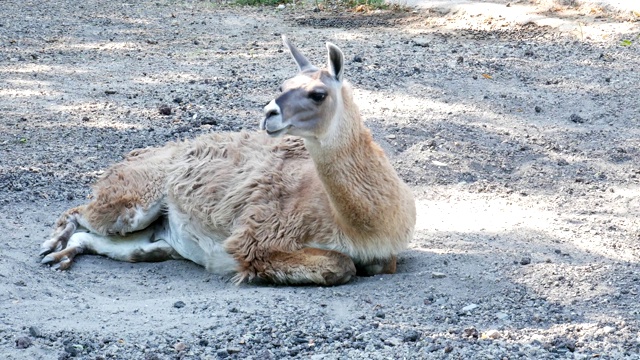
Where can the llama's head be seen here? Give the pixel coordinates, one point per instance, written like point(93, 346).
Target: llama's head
point(311, 101)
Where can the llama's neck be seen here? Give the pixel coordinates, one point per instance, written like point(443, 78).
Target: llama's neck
point(360, 182)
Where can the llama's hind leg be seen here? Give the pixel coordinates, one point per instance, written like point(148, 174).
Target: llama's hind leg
point(100, 218)
point(66, 226)
point(135, 247)
point(304, 266)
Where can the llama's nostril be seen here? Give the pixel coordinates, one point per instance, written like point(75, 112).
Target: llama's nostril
point(272, 112)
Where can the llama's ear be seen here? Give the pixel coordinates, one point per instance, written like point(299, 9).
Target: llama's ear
point(303, 63)
point(336, 61)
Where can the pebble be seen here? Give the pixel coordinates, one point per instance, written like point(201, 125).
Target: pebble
point(164, 109)
point(411, 336)
point(380, 314)
point(23, 342)
point(525, 261)
point(438, 275)
point(471, 332)
point(537, 109)
point(180, 346)
point(281, 6)
point(35, 332)
point(608, 330)
point(391, 136)
point(576, 118)
point(491, 334)
point(421, 41)
point(222, 353)
point(393, 341)
point(469, 308)
point(179, 304)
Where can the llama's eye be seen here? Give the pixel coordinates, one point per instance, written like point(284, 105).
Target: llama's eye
point(317, 96)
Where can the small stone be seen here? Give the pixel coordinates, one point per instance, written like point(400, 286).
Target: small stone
point(562, 162)
point(471, 332)
point(35, 332)
point(420, 41)
point(607, 79)
point(380, 314)
point(537, 109)
point(281, 6)
point(85, 118)
point(233, 349)
point(165, 109)
point(177, 100)
point(23, 342)
point(180, 346)
point(491, 334)
point(391, 136)
point(110, 92)
point(576, 118)
point(448, 349)
point(438, 275)
point(393, 341)
point(608, 330)
point(525, 261)
point(411, 336)
point(469, 308)
point(357, 58)
point(179, 304)
point(222, 353)
point(460, 60)
point(73, 350)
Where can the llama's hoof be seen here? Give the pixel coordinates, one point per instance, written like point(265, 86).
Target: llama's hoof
point(45, 251)
point(332, 279)
point(342, 273)
point(48, 260)
point(380, 266)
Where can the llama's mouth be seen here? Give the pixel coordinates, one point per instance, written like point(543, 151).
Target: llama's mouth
point(278, 132)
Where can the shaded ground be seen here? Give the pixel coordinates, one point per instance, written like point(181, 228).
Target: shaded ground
point(520, 141)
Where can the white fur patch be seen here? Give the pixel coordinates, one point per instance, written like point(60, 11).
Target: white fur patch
point(203, 248)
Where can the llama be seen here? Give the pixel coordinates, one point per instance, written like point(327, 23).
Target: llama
point(312, 199)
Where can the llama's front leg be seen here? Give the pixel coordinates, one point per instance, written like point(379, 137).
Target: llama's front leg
point(304, 266)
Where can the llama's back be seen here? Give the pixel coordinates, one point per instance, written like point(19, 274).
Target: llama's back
point(217, 176)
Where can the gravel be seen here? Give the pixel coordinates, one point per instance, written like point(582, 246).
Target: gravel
point(520, 142)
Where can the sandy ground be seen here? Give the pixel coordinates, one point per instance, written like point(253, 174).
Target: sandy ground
point(519, 140)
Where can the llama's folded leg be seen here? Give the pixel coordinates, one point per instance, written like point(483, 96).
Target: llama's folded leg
point(378, 266)
point(102, 218)
point(65, 227)
point(304, 266)
point(135, 247)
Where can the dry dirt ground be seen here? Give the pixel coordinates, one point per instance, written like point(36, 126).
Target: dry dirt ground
point(520, 142)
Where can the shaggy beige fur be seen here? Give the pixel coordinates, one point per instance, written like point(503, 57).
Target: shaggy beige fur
point(307, 208)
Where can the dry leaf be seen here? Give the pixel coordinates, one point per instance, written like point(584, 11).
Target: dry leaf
point(487, 76)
